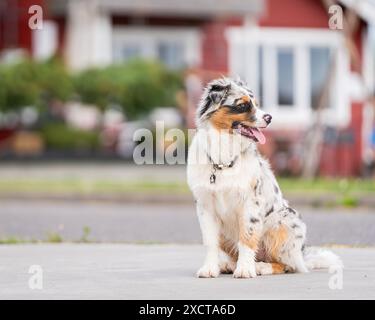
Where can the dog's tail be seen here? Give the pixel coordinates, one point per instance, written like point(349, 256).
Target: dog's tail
point(317, 258)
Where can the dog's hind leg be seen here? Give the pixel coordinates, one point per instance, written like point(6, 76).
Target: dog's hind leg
point(266, 268)
point(284, 239)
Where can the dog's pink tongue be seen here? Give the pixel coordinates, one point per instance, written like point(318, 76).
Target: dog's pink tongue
point(259, 135)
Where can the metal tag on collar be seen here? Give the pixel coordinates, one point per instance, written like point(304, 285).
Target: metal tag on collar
point(212, 178)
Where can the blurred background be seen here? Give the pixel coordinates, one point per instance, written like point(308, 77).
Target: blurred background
point(75, 87)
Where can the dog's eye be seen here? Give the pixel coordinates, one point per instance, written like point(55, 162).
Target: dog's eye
point(243, 107)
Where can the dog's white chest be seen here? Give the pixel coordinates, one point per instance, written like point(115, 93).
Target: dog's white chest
point(225, 202)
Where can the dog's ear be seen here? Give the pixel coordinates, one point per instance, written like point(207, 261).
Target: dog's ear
point(215, 93)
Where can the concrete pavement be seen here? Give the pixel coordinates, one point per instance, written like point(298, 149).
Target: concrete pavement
point(110, 171)
point(118, 271)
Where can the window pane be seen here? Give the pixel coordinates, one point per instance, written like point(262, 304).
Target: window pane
point(171, 54)
point(130, 51)
point(285, 77)
point(319, 66)
point(125, 51)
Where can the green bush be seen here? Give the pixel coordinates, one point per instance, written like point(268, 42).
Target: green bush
point(138, 86)
point(59, 136)
point(31, 83)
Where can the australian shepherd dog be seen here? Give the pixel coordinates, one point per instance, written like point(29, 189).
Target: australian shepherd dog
point(249, 229)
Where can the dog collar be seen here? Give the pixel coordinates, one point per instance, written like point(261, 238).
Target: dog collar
point(219, 166)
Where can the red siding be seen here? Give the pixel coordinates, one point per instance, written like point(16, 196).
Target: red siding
point(356, 125)
point(215, 45)
point(294, 13)
point(344, 157)
point(20, 34)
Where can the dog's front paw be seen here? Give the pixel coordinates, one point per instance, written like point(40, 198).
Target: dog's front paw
point(244, 272)
point(208, 271)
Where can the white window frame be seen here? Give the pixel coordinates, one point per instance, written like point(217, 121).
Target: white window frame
point(244, 45)
point(149, 37)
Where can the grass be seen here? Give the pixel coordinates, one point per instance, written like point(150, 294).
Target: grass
point(341, 186)
point(51, 237)
point(46, 186)
point(12, 240)
point(85, 234)
point(321, 191)
point(87, 186)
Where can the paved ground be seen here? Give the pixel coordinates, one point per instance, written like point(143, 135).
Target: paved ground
point(129, 271)
point(72, 271)
point(113, 171)
point(166, 223)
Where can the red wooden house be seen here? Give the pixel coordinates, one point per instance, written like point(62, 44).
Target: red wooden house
point(282, 48)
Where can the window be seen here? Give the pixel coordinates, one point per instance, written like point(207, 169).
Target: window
point(288, 70)
point(285, 77)
point(176, 48)
point(130, 51)
point(319, 69)
point(171, 54)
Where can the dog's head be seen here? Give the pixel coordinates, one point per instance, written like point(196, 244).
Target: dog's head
point(229, 105)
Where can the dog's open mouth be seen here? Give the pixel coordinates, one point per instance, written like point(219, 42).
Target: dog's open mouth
point(251, 133)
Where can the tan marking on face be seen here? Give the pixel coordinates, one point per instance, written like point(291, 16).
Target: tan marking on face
point(244, 99)
point(222, 119)
point(273, 240)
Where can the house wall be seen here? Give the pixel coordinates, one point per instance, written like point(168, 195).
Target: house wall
point(294, 13)
point(215, 45)
point(214, 51)
point(14, 20)
point(344, 157)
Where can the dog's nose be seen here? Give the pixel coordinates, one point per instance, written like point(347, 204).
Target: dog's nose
point(267, 117)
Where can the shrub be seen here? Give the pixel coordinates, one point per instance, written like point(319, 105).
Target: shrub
point(59, 136)
point(138, 86)
point(31, 83)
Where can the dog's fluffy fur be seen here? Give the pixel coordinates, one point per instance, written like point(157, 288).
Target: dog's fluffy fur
point(246, 224)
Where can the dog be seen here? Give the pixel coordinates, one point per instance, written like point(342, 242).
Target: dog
point(249, 229)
